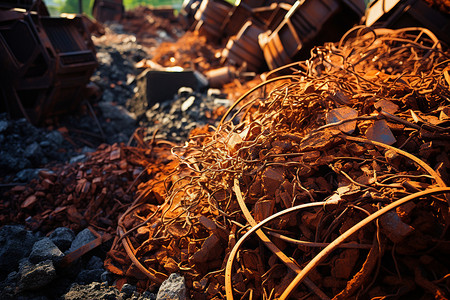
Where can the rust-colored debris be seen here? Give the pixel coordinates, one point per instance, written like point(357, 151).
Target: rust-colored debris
point(191, 51)
point(91, 193)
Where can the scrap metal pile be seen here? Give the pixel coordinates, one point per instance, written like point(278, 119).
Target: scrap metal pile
point(327, 180)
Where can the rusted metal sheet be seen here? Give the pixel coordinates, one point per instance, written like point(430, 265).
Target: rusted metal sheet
point(76, 254)
point(273, 50)
point(187, 13)
point(272, 15)
point(237, 17)
point(158, 85)
point(47, 62)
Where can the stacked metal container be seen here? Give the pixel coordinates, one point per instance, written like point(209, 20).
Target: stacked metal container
point(307, 22)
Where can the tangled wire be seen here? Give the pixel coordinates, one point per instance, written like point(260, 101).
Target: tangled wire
point(340, 160)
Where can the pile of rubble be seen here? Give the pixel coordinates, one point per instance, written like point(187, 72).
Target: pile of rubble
point(25, 148)
point(32, 261)
point(152, 26)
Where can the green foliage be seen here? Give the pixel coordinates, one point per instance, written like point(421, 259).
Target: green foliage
point(71, 6)
point(54, 7)
point(129, 4)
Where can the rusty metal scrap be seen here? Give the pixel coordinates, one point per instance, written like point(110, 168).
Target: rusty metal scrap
point(46, 63)
point(300, 161)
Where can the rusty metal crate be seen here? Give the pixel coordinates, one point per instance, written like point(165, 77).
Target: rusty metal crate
point(75, 62)
point(305, 24)
point(211, 16)
point(47, 63)
point(273, 50)
point(244, 48)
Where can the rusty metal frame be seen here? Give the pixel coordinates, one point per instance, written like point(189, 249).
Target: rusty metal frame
point(50, 80)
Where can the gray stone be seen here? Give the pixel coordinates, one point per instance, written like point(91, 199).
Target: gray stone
point(223, 102)
point(26, 175)
point(87, 149)
point(91, 291)
point(33, 152)
point(82, 238)
point(8, 286)
point(173, 288)
point(10, 162)
point(13, 276)
point(45, 249)
point(78, 158)
point(88, 276)
point(117, 113)
point(56, 137)
point(45, 144)
point(188, 103)
point(94, 263)
point(193, 114)
point(107, 277)
point(3, 125)
point(128, 290)
point(108, 96)
point(147, 295)
point(104, 58)
point(62, 237)
point(7, 293)
point(15, 244)
point(185, 91)
point(36, 276)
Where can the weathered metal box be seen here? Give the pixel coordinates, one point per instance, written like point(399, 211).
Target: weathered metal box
point(46, 63)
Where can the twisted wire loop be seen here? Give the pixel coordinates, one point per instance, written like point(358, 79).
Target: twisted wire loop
point(276, 166)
